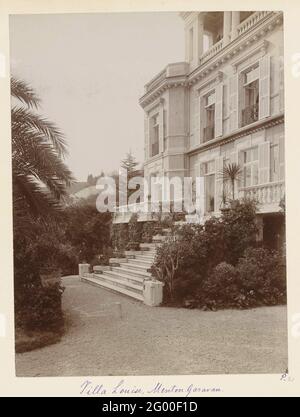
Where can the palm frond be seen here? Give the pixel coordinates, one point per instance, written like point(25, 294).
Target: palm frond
point(40, 176)
point(39, 201)
point(24, 119)
point(24, 93)
point(230, 172)
point(35, 158)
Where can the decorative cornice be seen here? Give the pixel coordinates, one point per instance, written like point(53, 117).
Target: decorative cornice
point(261, 46)
point(151, 106)
point(234, 48)
point(167, 83)
point(216, 78)
point(244, 131)
point(237, 46)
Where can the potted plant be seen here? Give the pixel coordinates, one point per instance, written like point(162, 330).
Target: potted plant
point(231, 173)
point(224, 201)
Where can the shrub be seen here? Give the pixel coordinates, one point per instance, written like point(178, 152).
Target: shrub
point(39, 308)
point(221, 288)
point(103, 258)
point(87, 230)
point(263, 277)
point(120, 236)
point(240, 229)
point(148, 231)
point(135, 232)
point(257, 280)
point(168, 258)
point(218, 264)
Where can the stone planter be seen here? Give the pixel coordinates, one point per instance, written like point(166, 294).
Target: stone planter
point(153, 293)
point(99, 269)
point(83, 269)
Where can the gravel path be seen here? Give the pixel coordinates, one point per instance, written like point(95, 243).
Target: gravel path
point(108, 334)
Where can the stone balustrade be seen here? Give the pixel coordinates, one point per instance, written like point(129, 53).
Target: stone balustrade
point(251, 21)
point(268, 195)
point(212, 51)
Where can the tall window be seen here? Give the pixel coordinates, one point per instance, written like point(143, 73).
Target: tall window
point(154, 135)
point(250, 167)
point(274, 156)
point(250, 96)
point(209, 185)
point(209, 128)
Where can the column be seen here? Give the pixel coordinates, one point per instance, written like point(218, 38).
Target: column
point(226, 27)
point(235, 22)
point(199, 36)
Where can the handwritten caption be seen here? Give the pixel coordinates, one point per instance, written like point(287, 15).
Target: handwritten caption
point(88, 388)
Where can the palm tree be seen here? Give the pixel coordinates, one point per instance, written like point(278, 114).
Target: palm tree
point(231, 173)
point(40, 176)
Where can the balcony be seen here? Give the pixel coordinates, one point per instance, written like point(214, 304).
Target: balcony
point(267, 195)
point(212, 51)
point(249, 115)
point(208, 133)
point(251, 21)
point(242, 28)
point(154, 149)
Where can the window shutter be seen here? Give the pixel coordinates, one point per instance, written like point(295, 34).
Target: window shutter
point(233, 101)
point(161, 129)
point(281, 158)
point(219, 163)
point(281, 84)
point(219, 110)
point(197, 101)
point(264, 162)
point(146, 133)
point(264, 87)
point(200, 193)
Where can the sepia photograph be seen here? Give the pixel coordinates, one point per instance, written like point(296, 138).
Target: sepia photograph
point(149, 202)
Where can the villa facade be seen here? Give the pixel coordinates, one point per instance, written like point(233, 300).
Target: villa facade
point(223, 104)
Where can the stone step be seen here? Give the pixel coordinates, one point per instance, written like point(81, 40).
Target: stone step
point(149, 246)
point(138, 287)
point(128, 277)
point(146, 263)
point(113, 287)
point(149, 253)
point(142, 254)
point(138, 268)
point(132, 272)
point(145, 257)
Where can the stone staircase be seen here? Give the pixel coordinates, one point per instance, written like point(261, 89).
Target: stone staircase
point(128, 275)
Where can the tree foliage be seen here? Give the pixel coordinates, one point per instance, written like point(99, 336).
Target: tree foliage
point(129, 163)
point(40, 176)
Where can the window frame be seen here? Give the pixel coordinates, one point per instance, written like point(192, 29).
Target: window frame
point(252, 163)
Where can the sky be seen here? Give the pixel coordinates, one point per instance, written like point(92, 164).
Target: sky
point(89, 71)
